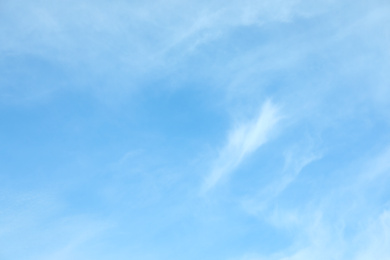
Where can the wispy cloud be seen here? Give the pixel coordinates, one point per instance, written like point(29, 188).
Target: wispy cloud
point(296, 159)
point(243, 140)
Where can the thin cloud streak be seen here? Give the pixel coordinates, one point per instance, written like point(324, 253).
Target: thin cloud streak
point(243, 141)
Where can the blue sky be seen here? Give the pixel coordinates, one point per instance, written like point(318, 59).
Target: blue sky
point(223, 130)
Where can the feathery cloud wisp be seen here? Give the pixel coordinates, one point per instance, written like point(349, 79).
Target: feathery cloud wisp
point(242, 141)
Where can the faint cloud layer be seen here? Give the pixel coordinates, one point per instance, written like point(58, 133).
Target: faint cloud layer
point(140, 36)
point(296, 160)
point(343, 222)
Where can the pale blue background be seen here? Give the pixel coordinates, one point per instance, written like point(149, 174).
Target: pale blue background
point(232, 130)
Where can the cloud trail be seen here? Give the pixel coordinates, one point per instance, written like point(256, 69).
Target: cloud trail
point(243, 141)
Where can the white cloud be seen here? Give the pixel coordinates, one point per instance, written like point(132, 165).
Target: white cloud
point(242, 141)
